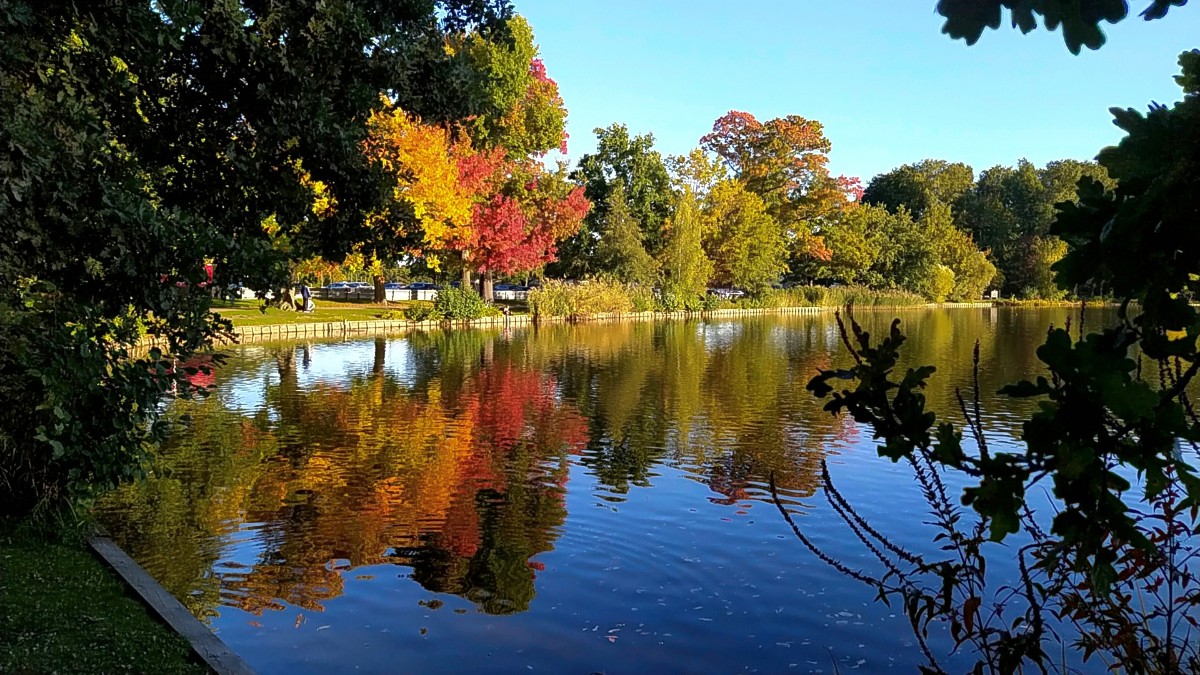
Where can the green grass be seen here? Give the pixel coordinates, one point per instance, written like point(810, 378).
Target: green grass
point(62, 610)
point(247, 312)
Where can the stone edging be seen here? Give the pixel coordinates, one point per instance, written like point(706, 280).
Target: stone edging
point(215, 653)
point(343, 329)
point(333, 329)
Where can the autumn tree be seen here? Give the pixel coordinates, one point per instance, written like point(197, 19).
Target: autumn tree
point(621, 249)
point(521, 212)
point(429, 210)
point(521, 209)
point(686, 268)
point(784, 162)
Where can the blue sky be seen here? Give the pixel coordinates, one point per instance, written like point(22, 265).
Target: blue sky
point(888, 86)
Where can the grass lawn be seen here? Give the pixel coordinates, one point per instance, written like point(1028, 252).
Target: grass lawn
point(62, 610)
point(247, 312)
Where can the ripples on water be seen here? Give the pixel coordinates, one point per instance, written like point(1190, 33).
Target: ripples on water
point(568, 499)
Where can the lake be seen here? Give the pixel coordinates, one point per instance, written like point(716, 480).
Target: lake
point(568, 498)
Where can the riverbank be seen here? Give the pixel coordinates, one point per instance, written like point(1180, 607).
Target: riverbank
point(366, 321)
point(62, 610)
point(329, 329)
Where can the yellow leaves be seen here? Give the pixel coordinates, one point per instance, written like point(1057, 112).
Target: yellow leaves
point(270, 225)
point(375, 267)
point(427, 180)
point(74, 42)
point(324, 202)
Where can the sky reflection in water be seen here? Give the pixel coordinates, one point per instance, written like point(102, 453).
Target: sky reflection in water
point(567, 499)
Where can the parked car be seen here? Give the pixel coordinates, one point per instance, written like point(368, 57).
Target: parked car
point(338, 285)
point(727, 293)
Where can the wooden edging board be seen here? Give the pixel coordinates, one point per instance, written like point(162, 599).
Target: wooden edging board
point(215, 653)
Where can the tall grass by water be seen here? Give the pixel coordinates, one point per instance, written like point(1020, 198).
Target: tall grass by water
point(563, 299)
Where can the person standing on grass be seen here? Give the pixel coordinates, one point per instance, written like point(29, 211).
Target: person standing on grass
point(306, 303)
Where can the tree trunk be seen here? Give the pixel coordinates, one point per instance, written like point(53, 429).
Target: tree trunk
point(488, 294)
point(380, 291)
point(467, 283)
point(284, 300)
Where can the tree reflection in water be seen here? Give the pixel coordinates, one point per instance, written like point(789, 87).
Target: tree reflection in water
point(449, 452)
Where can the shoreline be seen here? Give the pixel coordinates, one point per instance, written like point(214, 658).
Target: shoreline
point(367, 328)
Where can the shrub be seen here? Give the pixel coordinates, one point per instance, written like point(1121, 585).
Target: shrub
point(461, 304)
point(766, 299)
point(597, 296)
point(642, 298)
point(422, 313)
point(712, 303)
point(838, 296)
point(677, 300)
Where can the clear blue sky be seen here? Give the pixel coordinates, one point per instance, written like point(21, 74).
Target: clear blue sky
point(888, 86)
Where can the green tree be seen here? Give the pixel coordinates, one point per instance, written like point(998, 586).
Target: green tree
point(955, 249)
point(1009, 207)
point(1040, 256)
point(744, 242)
point(856, 243)
point(632, 162)
point(909, 257)
point(140, 141)
point(919, 186)
point(621, 250)
point(685, 267)
point(522, 110)
point(697, 171)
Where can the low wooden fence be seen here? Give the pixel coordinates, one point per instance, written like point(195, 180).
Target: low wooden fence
point(342, 329)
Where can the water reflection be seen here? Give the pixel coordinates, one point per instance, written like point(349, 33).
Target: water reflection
point(448, 459)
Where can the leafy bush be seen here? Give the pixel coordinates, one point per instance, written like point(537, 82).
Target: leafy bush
point(642, 299)
point(461, 304)
point(422, 313)
point(676, 300)
point(766, 299)
point(838, 296)
point(597, 296)
point(941, 283)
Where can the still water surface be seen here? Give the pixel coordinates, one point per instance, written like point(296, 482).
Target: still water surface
point(571, 499)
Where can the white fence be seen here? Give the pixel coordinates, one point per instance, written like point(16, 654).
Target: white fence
point(368, 294)
point(395, 294)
